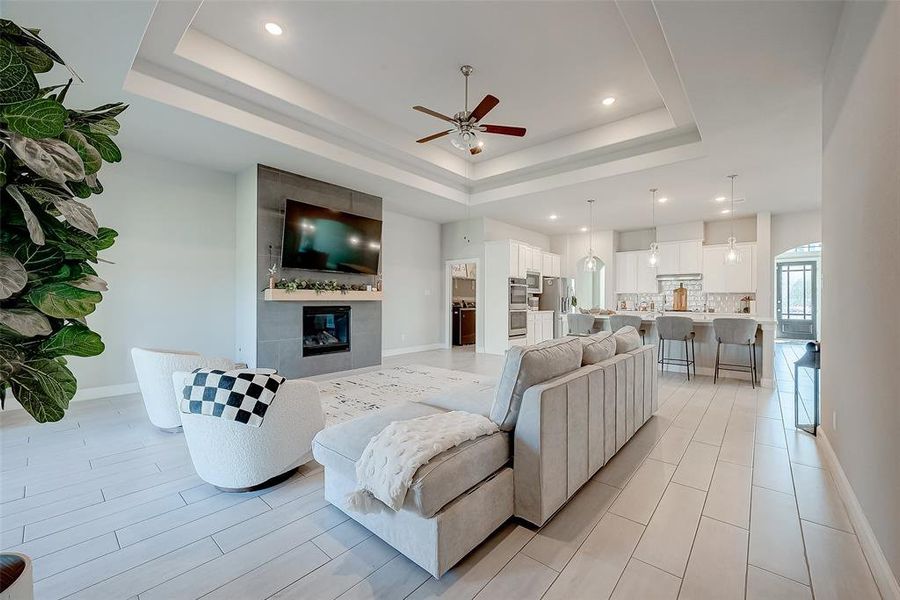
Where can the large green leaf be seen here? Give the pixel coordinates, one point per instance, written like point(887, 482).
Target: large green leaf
point(90, 156)
point(36, 59)
point(90, 282)
point(17, 82)
point(44, 388)
point(27, 37)
point(63, 301)
point(72, 340)
point(75, 213)
point(108, 126)
point(107, 111)
point(25, 321)
point(49, 158)
point(37, 119)
point(37, 258)
point(104, 145)
point(34, 227)
point(13, 276)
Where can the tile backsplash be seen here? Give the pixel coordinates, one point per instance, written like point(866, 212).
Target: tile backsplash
point(720, 303)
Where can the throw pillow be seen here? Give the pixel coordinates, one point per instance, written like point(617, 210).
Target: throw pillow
point(598, 347)
point(527, 366)
point(627, 339)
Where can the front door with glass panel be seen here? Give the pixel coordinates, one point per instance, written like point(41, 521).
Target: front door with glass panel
point(797, 303)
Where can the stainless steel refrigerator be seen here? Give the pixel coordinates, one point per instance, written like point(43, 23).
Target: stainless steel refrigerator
point(557, 296)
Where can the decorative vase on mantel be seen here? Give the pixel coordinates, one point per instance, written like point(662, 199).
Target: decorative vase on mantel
point(273, 272)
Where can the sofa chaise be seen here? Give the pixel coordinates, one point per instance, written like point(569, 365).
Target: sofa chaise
point(564, 408)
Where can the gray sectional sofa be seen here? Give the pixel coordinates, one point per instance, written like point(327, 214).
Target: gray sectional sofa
point(564, 408)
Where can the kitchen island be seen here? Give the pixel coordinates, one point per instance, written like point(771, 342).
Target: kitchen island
point(705, 342)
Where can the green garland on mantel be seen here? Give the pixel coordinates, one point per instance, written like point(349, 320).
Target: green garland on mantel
point(317, 286)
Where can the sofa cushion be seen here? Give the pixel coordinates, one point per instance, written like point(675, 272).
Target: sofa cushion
point(435, 484)
point(627, 339)
point(475, 398)
point(527, 366)
point(598, 347)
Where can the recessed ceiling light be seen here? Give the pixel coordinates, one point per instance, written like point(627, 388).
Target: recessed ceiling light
point(663, 200)
point(721, 198)
point(725, 211)
point(553, 217)
point(274, 28)
point(609, 101)
point(584, 230)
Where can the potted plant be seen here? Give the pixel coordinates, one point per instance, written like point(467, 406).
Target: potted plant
point(50, 240)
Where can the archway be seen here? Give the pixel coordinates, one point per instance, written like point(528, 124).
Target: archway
point(590, 286)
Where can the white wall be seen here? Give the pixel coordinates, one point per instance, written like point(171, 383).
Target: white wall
point(412, 271)
point(245, 266)
point(718, 232)
point(498, 230)
point(860, 238)
point(172, 284)
point(790, 230)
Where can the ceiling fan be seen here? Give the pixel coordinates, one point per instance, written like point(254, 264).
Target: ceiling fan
point(466, 126)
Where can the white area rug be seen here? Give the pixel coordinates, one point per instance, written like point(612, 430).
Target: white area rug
point(348, 397)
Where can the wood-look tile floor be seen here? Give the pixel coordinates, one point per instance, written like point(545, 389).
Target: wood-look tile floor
point(717, 497)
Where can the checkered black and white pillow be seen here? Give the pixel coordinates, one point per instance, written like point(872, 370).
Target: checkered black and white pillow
point(241, 395)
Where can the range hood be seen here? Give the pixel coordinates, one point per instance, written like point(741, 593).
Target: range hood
point(680, 277)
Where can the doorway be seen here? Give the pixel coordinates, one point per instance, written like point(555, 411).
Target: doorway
point(797, 275)
point(461, 326)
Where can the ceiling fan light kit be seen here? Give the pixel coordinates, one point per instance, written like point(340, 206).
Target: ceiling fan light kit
point(467, 126)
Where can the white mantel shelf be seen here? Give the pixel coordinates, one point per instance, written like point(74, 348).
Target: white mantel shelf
point(311, 296)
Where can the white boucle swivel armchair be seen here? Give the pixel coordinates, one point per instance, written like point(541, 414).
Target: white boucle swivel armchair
point(236, 457)
point(154, 370)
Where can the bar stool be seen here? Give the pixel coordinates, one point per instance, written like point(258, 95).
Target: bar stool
point(741, 332)
point(678, 329)
point(617, 322)
point(580, 323)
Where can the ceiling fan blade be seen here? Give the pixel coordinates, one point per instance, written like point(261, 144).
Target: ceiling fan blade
point(433, 136)
point(484, 107)
point(433, 113)
point(475, 150)
point(504, 130)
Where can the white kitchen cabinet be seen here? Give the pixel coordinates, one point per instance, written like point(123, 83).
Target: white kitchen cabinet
point(646, 275)
point(626, 273)
point(668, 259)
point(539, 325)
point(680, 258)
point(719, 278)
point(550, 264)
point(513, 259)
point(532, 328)
point(546, 319)
point(524, 256)
point(690, 256)
point(535, 257)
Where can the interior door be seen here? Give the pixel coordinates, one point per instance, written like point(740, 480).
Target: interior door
point(796, 303)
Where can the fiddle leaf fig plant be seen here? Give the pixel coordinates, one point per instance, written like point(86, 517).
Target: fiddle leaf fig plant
point(50, 156)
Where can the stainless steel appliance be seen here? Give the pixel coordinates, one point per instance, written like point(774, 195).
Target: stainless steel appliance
point(518, 293)
point(533, 282)
point(518, 323)
point(557, 296)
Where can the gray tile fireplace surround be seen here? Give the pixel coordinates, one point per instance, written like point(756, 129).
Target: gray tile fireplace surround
point(279, 335)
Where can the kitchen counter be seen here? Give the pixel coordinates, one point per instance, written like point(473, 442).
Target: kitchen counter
point(699, 318)
point(705, 342)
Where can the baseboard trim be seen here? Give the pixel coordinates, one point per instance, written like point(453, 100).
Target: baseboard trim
point(92, 393)
point(881, 570)
point(411, 349)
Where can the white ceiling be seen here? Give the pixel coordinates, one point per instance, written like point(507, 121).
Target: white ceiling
point(551, 66)
point(704, 89)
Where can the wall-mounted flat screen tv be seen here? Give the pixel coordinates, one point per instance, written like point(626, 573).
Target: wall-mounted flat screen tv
point(321, 239)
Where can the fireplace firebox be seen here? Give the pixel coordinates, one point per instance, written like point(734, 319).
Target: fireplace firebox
point(326, 329)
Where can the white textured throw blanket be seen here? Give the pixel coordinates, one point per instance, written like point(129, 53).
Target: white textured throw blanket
point(390, 460)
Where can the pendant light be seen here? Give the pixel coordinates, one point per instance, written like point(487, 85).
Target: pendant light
point(653, 258)
point(591, 263)
point(732, 256)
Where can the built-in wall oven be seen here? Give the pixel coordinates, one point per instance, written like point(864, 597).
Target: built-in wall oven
point(518, 307)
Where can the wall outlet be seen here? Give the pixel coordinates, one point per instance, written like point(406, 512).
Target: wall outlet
point(834, 420)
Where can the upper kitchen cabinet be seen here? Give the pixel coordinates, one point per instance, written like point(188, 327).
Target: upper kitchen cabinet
point(680, 258)
point(550, 264)
point(719, 278)
point(524, 258)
